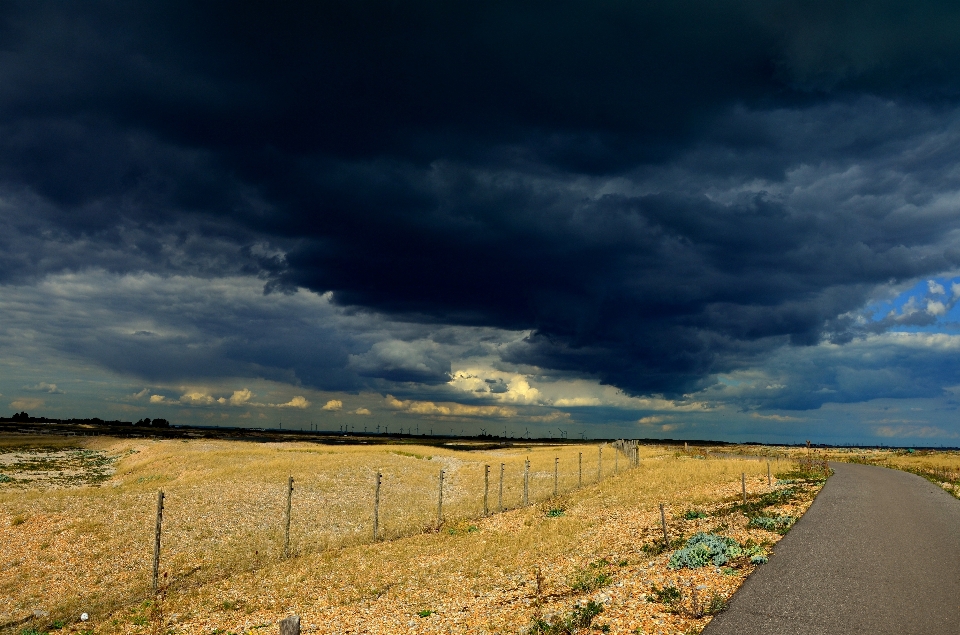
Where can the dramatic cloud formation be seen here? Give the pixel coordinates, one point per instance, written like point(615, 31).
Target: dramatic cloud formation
point(599, 212)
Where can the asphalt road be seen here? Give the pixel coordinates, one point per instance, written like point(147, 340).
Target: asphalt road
point(878, 552)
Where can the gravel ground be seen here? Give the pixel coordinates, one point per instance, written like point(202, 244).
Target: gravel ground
point(83, 552)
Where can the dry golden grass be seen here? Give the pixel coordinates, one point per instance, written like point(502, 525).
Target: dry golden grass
point(89, 548)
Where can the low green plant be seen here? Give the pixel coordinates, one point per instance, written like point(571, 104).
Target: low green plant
point(657, 547)
point(717, 604)
point(592, 577)
point(555, 513)
point(673, 599)
point(579, 618)
point(756, 506)
point(461, 529)
point(668, 595)
point(703, 549)
point(425, 613)
point(693, 514)
point(772, 523)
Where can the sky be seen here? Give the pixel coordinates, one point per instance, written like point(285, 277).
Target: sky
point(733, 220)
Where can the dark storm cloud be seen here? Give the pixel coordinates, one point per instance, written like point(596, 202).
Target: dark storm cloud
point(660, 192)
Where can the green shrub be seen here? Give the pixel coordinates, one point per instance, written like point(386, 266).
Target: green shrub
point(772, 523)
point(668, 595)
point(591, 578)
point(693, 514)
point(717, 604)
point(580, 617)
point(703, 549)
point(555, 513)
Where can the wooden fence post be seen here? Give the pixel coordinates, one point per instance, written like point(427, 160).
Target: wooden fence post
point(486, 489)
point(556, 475)
point(376, 508)
point(500, 495)
point(599, 462)
point(286, 530)
point(156, 541)
point(616, 461)
point(526, 482)
point(663, 523)
point(769, 480)
point(290, 625)
point(580, 470)
point(440, 502)
point(743, 485)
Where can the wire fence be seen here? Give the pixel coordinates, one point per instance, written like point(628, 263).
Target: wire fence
point(402, 494)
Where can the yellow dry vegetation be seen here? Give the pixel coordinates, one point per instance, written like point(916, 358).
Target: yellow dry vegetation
point(89, 549)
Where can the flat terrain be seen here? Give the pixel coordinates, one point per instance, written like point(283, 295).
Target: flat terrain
point(878, 552)
point(77, 522)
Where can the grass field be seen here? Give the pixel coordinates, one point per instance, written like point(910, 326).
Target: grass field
point(77, 525)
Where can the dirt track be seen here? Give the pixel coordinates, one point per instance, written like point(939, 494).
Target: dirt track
point(878, 552)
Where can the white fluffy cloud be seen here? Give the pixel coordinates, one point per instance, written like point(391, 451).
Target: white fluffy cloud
point(449, 409)
point(296, 402)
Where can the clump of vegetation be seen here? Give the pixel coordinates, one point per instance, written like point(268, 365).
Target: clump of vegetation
point(556, 512)
point(756, 506)
point(462, 528)
point(693, 514)
point(703, 549)
point(657, 547)
point(706, 549)
point(695, 606)
point(592, 577)
point(668, 595)
point(779, 524)
point(412, 455)
point(812, 468)
point(425, 613)
point(578, 619)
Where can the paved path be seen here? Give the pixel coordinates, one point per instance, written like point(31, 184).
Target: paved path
point(878, 552)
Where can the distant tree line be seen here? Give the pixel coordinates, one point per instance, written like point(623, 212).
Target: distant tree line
point(23, 417)
point(155, 423)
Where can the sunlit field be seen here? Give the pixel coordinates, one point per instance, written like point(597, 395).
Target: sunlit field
point(939, 466)
point(77, 545)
